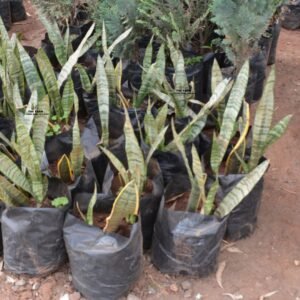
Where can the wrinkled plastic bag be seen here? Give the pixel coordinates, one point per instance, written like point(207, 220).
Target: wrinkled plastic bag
point(103, 266)
point(186, 243)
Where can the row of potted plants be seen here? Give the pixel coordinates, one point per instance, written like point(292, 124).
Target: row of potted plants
point(153, 167)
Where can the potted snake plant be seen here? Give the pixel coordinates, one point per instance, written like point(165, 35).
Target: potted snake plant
point(35, 206)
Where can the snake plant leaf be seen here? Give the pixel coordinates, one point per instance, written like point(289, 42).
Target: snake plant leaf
point(30, 159)
point(181, 148)
point(50, 81)
point(9, 169)
point(67, 40)
point(164, 97)
point(243, 135)
point(10, 195)
point(277, 131)
point(40, 125)
point(161, 117)
point(150, 126)
point(90, 211)
point(30, 111)
point(174, 53)
point(64, 169)
point(148, 84)
point(262, 121)
point(210, 199)
point(103, 100)
point(3, 32)
point(84, 78)
point(117, 164)
point(32, 77)
point(56, 39)
point(126, 204)
point(72, 61)
point(119, 39)
point(241, 190)
point(160, 64)
point(89, 43)
point(194, 128)
point(231, 112)
point(214, 156)
point(135, 157)
point(147, 61)
point(118, 76)
point(17, 97)
point(112, 80)
point(76, 154)
point(197, 196)
point(157, 141)
point(67, 100)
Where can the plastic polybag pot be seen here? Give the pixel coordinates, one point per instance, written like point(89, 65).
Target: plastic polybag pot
point(242, 220)
point(6, 127)
point(33, 240)
point(103, 266)
point(186, 243)
point(5, 13)
point(58, 145)
point(17, 10)
point(276, 28)
point(291, 17)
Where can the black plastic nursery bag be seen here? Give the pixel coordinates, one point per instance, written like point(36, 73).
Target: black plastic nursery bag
point(242, 220)
point(275, 38)
point(33, 240)
point(291, 16)
point(17, 9)
point(103, 266)
point(186, 243)
point(5, 13)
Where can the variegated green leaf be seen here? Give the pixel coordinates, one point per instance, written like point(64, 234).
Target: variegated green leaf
point(90, 211)
point(10, 195)
point(30, 111)
point(150, 126)
point(89, 43)
point(64, 169)
point(135, 157)
point(103, 100)
point(72, 61)
point(160, 64)
point(262, 121)
point(40, 125)
point(174, 53)
point(277, 131)
point(56, 39)
point(112, 80)
point(3, 32)
point(210, 199)
point(119, 39)
point(67, 101)
point(30, 159)
point(17, 97)
point(161, 118)
point(117, 164)
point(241, 190)
point(231, 112)
point(147, 59)
point(76, 154)
point(126, 204)
point(32, 77)
point(49, 77)
point(84, 78)
point(9, 169)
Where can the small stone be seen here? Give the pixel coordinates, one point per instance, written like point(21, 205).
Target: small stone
point(151, 290)
point(10, 279)
point(269, 278)
point(75, 296)
point(174, 288)
point(198, 296)
point(64, 297)
point(297, 263)
point(186, 285)
point(70, 277)
point(132, 297)
point(36, 286)
point(20, 282)
point(187, 294)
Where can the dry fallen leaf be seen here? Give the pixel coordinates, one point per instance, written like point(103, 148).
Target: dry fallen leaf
point(268, 295)
point(227, 245)
point(234, 296)
point(234, 250)
point(219, 273)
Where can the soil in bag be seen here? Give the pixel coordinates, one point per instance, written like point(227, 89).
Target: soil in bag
point(6, 127)
point(17, 10)
point(186, 243)
point(5, 13)
point(103, 265)
point(291, 16)
point(241, 222)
